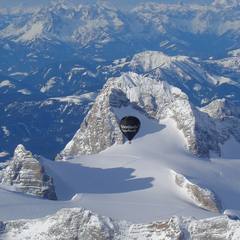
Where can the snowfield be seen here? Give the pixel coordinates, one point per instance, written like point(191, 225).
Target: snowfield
point(134, 181)
point(70, 71)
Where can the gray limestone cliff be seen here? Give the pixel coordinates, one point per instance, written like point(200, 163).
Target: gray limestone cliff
point(76, 224)
point(202, 197)
point(203, 129)
point(24, 173)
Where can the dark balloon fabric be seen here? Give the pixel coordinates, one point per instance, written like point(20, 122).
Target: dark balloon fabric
point(129, 126)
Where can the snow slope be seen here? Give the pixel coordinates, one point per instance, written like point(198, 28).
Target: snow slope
point(133, 182)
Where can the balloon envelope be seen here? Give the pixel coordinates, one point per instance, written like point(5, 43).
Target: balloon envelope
point(129, 126)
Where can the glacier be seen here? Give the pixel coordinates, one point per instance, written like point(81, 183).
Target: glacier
point(70, 70)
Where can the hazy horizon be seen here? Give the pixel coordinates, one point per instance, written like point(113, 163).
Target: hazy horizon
point(124, 4)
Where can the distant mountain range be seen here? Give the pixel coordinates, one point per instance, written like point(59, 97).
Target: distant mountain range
point(55, 59)
point(152, 92)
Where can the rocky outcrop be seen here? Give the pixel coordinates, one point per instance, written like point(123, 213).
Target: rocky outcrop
point(76, 224)
point(25, 174)
point(100, 128)
point(226, 117)
point(66, 224)
point(202, 81)
point(158, 100)
point(202, 197)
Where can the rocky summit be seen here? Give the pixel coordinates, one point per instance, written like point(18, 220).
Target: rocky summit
point(24, 173)
point(205, 129)
point(71, 70)
point(77, 223)
point(202, 197)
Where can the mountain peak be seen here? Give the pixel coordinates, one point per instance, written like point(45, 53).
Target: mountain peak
point(222, 108)
point(24, 173)
point(157, 100)
point(150, 60)
point(21, 152)
point(226, 3)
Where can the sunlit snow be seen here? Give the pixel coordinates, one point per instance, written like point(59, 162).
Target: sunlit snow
point(132, 181)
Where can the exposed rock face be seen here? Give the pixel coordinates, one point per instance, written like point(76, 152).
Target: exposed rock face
point(202, 81)
point(232, 214)
point(169, 229)
point(156, 99)
point(25, 173)
point(220, 228)
point(202, 197)
point(100, 129)
point(76, 224)
point(66, 224)
point(226, 116)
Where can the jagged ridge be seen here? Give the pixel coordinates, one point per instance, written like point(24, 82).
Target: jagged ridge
point(158, 100)
point(77, 223)
point(25, 173)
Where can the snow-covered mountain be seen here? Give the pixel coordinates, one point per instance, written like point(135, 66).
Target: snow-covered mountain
point(94, 30)
point(174, 65)
point(205, 129)
point(226, 3)
point(90, 226)
point(43, 52)
point(45, 25)
point(59, 31)
point(150, 180)
point(202, 81)
point(53, 101)
point(24, 173)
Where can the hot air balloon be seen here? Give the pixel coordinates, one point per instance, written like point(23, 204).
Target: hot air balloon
point(129, 126)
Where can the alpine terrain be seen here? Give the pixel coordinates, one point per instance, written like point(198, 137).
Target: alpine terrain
point(70, 71)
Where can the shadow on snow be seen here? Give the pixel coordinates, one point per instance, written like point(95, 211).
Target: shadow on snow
point(70, 179)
